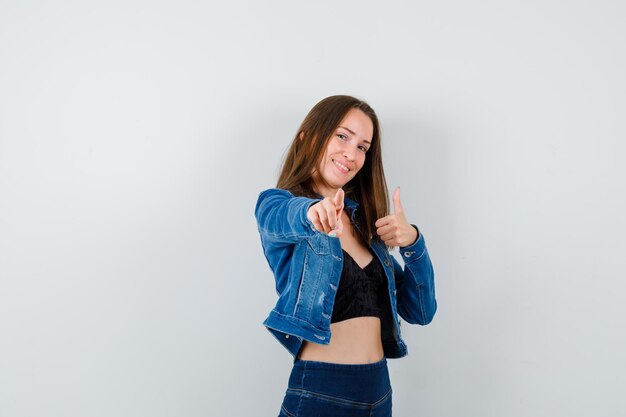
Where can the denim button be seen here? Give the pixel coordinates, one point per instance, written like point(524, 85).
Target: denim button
point(408, 253)
point(286, 336)
point(387, 262)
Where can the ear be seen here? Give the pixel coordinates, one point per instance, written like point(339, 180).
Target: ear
point(301, 135)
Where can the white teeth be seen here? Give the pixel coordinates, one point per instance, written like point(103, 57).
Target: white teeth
point(343, 167)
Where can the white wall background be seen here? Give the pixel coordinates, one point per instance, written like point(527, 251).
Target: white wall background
point(136, 135)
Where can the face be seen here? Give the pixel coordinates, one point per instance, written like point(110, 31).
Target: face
point(345, 152)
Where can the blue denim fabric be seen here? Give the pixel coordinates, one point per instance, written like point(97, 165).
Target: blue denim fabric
point(307, 266)
point(328, 389)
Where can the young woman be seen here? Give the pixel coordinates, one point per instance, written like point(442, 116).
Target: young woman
point(326, 231)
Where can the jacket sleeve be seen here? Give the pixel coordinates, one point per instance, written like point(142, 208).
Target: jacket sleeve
point(281, 216)
point(415, 284)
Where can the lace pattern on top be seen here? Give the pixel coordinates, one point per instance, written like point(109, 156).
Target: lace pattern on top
point(360, 290)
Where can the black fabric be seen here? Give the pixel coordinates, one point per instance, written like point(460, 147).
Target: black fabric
point(361, 292)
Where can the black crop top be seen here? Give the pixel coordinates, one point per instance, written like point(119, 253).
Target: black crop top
point(361, 291)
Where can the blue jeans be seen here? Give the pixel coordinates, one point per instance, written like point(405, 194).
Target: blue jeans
point(329, 389)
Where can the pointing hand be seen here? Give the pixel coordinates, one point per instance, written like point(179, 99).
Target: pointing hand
point(326, 214)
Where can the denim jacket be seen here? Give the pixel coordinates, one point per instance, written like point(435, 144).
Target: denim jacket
point(307, 267)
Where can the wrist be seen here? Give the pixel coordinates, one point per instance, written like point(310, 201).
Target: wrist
point(415, 234)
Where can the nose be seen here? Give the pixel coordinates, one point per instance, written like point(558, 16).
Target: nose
point(349, 152)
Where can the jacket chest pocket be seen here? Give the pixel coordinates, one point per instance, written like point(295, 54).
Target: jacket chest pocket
point(319, 243)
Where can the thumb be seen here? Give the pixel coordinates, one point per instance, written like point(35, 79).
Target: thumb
point(397, 204)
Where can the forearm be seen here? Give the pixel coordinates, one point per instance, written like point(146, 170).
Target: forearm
point(281, 217)
point(415, 284)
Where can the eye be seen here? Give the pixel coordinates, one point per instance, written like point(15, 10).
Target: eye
point(362, 148)
point(342, 137)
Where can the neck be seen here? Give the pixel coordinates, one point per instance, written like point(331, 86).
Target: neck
point(327, 192)
point(324, 190)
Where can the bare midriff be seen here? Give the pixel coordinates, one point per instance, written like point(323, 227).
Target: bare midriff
point(352, 341)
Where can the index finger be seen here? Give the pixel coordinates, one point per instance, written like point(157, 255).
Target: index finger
point(331, 213)
point(338, 199)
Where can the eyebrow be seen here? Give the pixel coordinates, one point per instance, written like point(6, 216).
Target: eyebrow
point(354, 134)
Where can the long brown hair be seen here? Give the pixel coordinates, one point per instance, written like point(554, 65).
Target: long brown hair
point(368, 188)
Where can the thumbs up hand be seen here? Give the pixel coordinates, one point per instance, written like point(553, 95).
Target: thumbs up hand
point(394, 229)
point(326, 214)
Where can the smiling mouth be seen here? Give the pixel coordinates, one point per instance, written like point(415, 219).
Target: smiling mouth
point(341, 167)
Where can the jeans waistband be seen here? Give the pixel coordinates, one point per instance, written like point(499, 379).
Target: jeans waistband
point(339, 366)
